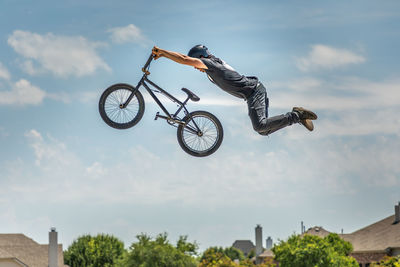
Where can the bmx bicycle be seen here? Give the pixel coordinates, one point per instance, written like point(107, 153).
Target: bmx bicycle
point(122, 106)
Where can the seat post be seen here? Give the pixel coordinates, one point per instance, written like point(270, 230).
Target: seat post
point(187, 99)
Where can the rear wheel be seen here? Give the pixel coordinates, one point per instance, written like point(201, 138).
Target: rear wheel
point(112, 111)
point(201, 135)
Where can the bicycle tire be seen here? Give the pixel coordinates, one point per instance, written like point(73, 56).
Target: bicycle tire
point(112, 114)
point(208, 142)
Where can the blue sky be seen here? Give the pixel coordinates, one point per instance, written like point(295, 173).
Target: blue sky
point(62, 166)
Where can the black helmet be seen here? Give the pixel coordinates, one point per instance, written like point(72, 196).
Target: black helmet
point(198, 50)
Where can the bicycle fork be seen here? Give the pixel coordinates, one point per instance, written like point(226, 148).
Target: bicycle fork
point(124, 105)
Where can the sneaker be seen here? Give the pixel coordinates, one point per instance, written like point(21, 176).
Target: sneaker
point(308, 124)
point(305, 114)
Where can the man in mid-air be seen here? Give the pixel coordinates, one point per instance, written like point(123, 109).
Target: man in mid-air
point(245, 87)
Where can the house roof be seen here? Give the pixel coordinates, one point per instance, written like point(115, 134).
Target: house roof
point(266, 253)
point(4, 254)
point(377, 236)
point(13, 259)
point(16, 240)
point(244, 245)
point(318, 231)
point(26, 250)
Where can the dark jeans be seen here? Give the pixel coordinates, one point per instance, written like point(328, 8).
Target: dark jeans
point(258, 112)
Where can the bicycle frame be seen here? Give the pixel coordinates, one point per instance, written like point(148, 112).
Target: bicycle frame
point(170, 118)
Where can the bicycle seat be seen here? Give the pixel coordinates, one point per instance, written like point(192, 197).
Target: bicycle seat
point(191, 95)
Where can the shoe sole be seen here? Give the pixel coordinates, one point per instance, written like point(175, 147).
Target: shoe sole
point(308, 124)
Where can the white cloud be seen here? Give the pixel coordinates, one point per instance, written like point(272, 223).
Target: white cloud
point(303, 85)
point(28, 67)
point(4, 73)
point(136, 180)
point(347, 94)
point(88, 96)
point(347, 106)
point(344, 94)
point(34, 135)
point(22, 93)
point(60, 96)
point(61, 55)
point(261, 177)
point(128, 34)
point(52, 156)
point(64, 176)
point(96, 170)
point(326, 57)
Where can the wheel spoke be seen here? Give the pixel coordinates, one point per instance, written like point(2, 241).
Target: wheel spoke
point(209, 136)
point(113, 110)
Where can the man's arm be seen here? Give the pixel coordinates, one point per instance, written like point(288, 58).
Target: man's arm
point(178, 57)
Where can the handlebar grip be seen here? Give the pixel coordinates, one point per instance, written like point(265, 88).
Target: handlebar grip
point(148, 61)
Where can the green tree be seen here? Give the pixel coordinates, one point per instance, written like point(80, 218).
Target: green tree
point(215, 257)
point(248, 263)
point(228, 257)
point(388, 262)
point(339, 245)
point(251, 254)
point(158, 252)
point(98, 251)
point(230, 252)
point(234, 253)
point(187, 247)
point(314, 251)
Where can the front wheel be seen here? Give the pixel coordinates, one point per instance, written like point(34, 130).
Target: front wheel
point(201, 135)
point(112, 110)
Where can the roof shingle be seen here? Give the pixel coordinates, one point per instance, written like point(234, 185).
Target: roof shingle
point(26, 250)
point(375, 237)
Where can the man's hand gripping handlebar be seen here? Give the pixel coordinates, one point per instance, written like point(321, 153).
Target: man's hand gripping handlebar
point(156, 52)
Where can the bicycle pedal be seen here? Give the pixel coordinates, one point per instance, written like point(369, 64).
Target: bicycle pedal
point(156, 117)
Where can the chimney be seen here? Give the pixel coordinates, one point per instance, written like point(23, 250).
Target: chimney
point(269, 243)
point(302, 227)
point(259, 247)
point(396, 213)
point(53, 248)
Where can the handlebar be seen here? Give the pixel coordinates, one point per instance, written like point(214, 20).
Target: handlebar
point(144, 69)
